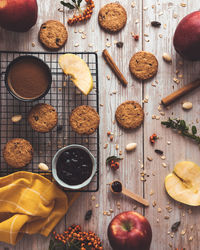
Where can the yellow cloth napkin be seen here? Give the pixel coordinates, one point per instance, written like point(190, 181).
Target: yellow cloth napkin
point(30, 203)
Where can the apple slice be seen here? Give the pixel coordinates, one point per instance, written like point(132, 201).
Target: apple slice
point(183, 184)
point(79, 71)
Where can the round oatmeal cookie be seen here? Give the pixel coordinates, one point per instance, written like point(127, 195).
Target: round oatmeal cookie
point(129, 114)
point(143, 65)
point(84, 120)
point(43, 117)
point(18, 153)
point(53, 35)
point(112, 17)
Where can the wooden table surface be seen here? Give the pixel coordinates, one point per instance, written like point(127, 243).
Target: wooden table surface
point(112, 93)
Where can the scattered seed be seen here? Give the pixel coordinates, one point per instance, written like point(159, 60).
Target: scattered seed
point(155, 24)
point(183, 232)
point(187, 105)
point(166, 217)
point(97, 205)
point(90, 45)
point(175, 226)
point(119, 44)
point(104, 213)
point(76, 44)
point(133, 4)
point(154, 203)
point(153, 116)
point(183, 4)
point(108, 44)
point(158, 151)
point(105, 146)
point(157, 117)
point(167, 58)
point(163, 157)
point(157, 220)
point(93, 198)
point(160, 35)
point(190, 238)
point(43, 166)
point(131, 146)
point(149, 158)
point(111, 210)
point(33, 44)
point(16, 118)
point(64, 84)
point(168, 142)
point(164, 165)
point(151, 192)
point(108, 77)
point(117, 147)
point(159, 210)
point(83, 36)
point(162, 113)
point(88, 215)
point(176, 80)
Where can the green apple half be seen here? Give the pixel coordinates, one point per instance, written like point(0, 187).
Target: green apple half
point(183, 184)
point(79, 71)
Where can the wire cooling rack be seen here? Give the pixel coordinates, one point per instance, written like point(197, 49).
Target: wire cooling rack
point(64, 96)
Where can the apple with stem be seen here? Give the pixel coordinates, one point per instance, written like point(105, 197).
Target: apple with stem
point(18, 15)
point(129, 231)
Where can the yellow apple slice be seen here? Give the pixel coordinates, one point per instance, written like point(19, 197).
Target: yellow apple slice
point(183, 184)
point(79, 71)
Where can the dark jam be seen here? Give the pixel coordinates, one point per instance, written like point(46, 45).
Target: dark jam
point(116, 186)
point(74, 166)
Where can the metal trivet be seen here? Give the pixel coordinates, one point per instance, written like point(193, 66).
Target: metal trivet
point(64, 97)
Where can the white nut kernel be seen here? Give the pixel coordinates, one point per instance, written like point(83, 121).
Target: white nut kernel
point(43, 167)
point(167, 58)
point(187, 105)
point(131, 146)
point(16, 118)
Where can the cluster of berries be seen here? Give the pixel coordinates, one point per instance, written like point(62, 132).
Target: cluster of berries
point(153, 137)
point(74, 238)
point(86, 14)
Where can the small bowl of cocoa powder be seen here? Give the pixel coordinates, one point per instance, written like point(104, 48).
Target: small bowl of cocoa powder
point(28, 78)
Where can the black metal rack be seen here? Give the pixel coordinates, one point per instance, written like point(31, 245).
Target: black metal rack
point(64, 96)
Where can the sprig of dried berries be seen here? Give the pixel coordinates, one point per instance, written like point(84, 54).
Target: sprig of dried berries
point(113, 162)
point(84, 14)
point(152, 138)
point(73, 238)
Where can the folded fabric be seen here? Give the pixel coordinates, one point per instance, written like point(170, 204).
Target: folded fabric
point(30, 203)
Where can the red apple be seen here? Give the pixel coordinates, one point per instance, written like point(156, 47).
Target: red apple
point(18, 15)
point(187, 37)
point(129, 231)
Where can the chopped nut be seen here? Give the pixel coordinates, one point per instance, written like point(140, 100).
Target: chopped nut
point(157, 117)
point(159, 210)
point(164, 164)
point(83, 36)
point(108, 77)
point(93, 198)
point(120, 152)
point(151, 192)
point(163, 157)
point(166, 217)
point(90, 45)
point(183, 232)
point(153, 116)
point(157, 220)
point(104, 213)
point(149, 158)
point(16, 118)
point(111, 210)
point(108, 44)
point(183, 4)
point(190, 238)
point(97, 205)
point(154, 203)
point(33, 44)
point(105, 146)
point(64, 84)
point(131, 146)
point(187, 105)
point(168, 142)
point(43, 166)
point(167, 58)
point(117, 147)
point(111, 137)
point(133, 4)
point(176, 80)
point(159, 108)
point(76, 44)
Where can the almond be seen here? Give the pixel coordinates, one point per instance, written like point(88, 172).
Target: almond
point(131, 146)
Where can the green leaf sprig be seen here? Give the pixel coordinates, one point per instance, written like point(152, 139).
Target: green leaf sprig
point(182, 128)
point(75, 5)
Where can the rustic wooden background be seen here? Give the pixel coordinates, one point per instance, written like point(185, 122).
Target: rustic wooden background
point(156, 40)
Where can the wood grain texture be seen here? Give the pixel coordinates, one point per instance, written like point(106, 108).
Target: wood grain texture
point(112, 93)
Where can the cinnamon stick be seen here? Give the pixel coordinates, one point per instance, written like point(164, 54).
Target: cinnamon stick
point(180, 92)
point(114, 67)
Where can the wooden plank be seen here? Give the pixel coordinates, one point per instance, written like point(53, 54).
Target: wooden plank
point(160, 41)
